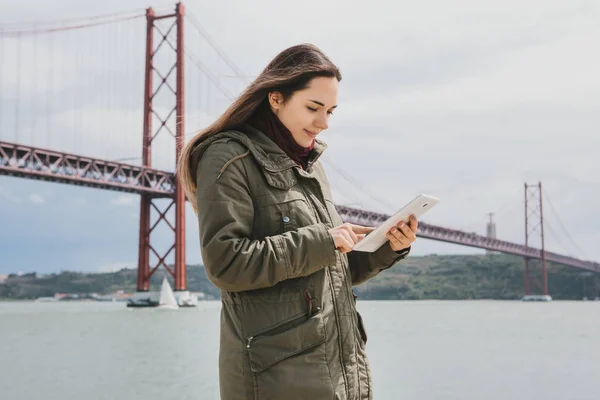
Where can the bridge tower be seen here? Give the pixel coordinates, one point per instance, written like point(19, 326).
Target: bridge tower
point(534, 224)
point(490, 230)
point(151, 89)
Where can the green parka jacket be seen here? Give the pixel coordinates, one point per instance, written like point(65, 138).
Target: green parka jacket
point(289, 325)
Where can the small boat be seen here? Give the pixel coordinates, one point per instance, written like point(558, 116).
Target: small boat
point(166, 298)
point(536, 297)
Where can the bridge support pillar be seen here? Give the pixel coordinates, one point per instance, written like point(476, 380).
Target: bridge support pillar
point(176, 204)
point(534, 222)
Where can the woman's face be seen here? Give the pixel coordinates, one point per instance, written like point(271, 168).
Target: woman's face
point(306, 113)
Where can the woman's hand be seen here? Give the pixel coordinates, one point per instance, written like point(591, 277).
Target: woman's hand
point(403, 236)
point(347, 235)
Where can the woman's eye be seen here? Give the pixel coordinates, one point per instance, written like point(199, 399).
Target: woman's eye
point(314, 109)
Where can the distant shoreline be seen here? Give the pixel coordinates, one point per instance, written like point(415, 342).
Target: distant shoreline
point(433, 277)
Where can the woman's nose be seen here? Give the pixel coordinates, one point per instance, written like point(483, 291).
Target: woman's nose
point(321, 123)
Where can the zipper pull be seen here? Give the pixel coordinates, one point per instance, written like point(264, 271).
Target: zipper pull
point(248, 341)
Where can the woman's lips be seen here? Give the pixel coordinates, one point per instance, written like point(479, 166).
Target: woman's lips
point(311, 134)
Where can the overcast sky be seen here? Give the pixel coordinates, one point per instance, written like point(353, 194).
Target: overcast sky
point(465, 100)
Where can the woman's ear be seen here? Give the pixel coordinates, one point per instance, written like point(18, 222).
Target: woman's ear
point(275, 100)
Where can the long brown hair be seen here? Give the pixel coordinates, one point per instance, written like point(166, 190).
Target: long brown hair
point(290, 71)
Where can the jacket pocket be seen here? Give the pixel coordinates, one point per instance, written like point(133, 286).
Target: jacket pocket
point(280, 212)
point(266, 348)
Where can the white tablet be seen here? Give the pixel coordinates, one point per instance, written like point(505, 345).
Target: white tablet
point(374, 240)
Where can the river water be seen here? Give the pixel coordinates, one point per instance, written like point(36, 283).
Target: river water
point(495, 350)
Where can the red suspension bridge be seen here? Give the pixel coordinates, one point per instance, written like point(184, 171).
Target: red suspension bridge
point(70, 113)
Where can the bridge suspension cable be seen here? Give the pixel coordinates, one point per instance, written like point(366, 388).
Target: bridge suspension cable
point(357, 185)
point(238, 72)
point(40, 27)
point(200, 65)
point(557, 238)
point(196, 60)
point(566, 232)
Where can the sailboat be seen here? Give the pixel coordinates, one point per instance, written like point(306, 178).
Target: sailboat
point(166, 298)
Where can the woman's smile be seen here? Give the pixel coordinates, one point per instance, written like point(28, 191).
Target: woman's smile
point(310, 133)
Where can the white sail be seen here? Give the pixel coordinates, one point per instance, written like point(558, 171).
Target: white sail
point(166, 297)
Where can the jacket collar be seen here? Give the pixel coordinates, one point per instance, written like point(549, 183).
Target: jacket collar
point(277, 167)
point(271, 156)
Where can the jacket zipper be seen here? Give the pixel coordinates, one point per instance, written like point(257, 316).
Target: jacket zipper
point(262, 332)
point(331, 288)
point(309, 300)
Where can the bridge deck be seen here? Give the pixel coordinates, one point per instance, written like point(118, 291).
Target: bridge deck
point(35, 163)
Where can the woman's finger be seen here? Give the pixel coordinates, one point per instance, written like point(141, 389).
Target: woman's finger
point(351, 235)
point(346, 245)
point(397, 244)
point(413, 223)
point(398, 236)
point(406, 231)
point(360, 228)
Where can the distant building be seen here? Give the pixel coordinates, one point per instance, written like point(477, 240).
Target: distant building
point(490, 231)
point(3, 278)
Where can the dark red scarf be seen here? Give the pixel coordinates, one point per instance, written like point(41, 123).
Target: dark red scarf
point(268, 123)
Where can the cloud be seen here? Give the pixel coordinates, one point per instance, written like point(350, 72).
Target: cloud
point(464, 100)
point(36, 199)
point(556, 74)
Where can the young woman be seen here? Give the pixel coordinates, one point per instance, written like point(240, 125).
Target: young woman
point(272, 241)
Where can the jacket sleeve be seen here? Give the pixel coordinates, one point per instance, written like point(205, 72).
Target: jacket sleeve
point(364, 266)
point(233, 261)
